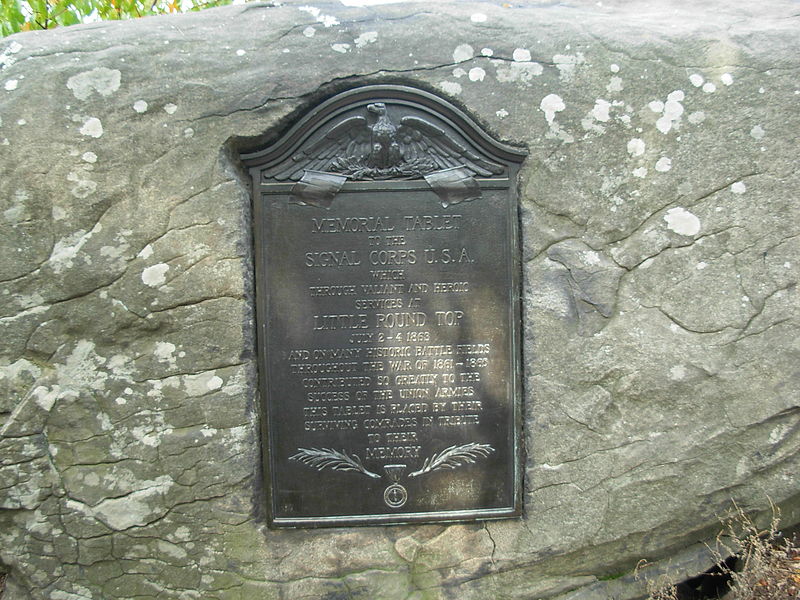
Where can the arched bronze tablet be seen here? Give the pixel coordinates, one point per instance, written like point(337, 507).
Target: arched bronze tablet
point(388, 314)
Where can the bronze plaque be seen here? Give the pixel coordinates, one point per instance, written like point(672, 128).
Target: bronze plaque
point(387, 279)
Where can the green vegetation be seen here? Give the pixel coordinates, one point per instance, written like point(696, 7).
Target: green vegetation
point(25, 15)
point(611, 577)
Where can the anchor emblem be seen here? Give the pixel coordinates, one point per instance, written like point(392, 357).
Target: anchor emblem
point(395, 495)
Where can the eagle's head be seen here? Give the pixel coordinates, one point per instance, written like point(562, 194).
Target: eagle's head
point(379, 108)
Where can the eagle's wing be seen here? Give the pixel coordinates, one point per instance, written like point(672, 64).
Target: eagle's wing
point(350, 138)
point(422, 140)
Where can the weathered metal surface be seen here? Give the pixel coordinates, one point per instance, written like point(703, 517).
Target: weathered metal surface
point(388, 314)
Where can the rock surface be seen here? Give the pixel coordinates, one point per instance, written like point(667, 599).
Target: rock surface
point(659, 210)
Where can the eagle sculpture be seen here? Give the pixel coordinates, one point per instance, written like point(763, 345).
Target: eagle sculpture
point(372, 147)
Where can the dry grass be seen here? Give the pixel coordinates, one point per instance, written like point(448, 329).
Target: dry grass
point(767, 565)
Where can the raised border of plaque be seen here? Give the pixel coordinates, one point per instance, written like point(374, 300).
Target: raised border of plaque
point(388, 314)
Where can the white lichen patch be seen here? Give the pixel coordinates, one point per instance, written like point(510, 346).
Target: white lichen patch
point(11, 84)
point(34, 302)
point(238, 439)
point(757, 132)
point(241, 52)
point(601, 110)
point(458, 72)
point(696, 79)
point(663, 164)
point(170, 108)
point(614, 85)
point(341, 48)
point(181, 534)
point(517, 72)
point(100, 80)
point(19, 370)
point(92, 127)
point(202, 383)
point(140, 106)
point(89, 157)
point(550, 105)
point(636, 147)
point(145, 252)
point(450, 87)
point(16, 214)
point(487, 52)
point(738, 187)
point(463, 52)
point(121, 366)
point(309, 31)
point(778, 433)
point(521, 55)
point(207, 431)
point(155, 275)
point(19, 211)
point(478, 18)
point(726, 79)
point(709, 88)
point(83, 185)
point(640, 172)
point(567, 65)
point(79, 593)
point(600, 113)
point(670, 111)
point(165, 352)
point(6, 56)
point(138, 508)
point(682, 222)
point(502, 113)
point(614, 68)
point(172, 550)
point(326, 20)
point(677, 373)
point(104, 420)
point(366, 38)
point(66, 249)
point(591, 258)
point(83, 369)
point(697, 117)
point(44, 397)
point(476, 74)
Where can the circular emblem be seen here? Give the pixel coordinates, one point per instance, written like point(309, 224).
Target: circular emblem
point(395, 495)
